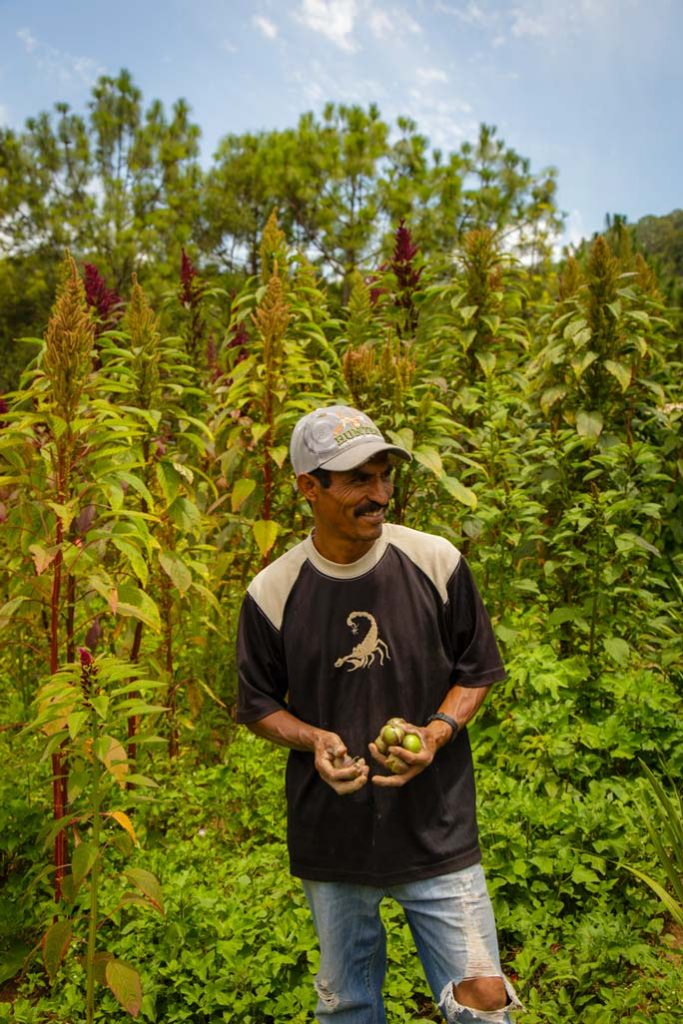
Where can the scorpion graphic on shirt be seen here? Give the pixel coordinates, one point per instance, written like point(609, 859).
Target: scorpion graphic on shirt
point(370, 647)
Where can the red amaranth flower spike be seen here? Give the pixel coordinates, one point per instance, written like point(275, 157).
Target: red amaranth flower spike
point(106, 302)
point(86, 657)
point(405, 251)
point(191, 287)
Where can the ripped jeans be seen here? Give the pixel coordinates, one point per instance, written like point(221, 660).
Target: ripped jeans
point(451, 920)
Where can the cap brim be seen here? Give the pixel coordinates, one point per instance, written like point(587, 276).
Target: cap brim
point(361, 453)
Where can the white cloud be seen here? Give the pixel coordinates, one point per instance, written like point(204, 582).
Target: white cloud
point(29, 41)
point(392, 21)
point(333, 19)
point(265, 25)
point(228, 46)
point(428, 75)
point(58, 63)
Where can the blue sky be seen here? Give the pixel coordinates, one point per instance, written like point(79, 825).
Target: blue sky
point(593, 87)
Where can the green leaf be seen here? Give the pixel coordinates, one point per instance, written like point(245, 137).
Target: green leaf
point(588, 424)
point(430, 459)
point(550, 396)
point(185, 515)
point(55, 943)
point(75, 722)
point(240, 492)
point(169, 480)
point(8, 609)
point(621, 372)
point(147, 883)
point(467, 312)
point(124, 982)
point(82, 861)
point(459, 491)
point(487, 361)
point(179, 573)
point(265, 532)
point(617, 649)
point(135, 603)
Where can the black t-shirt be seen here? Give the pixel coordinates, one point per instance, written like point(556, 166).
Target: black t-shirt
point(344, 648)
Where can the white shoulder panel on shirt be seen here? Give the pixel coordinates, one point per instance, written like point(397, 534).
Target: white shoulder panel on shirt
point(435, 556)
point(272, 586)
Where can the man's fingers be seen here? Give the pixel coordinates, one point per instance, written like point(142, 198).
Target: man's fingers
point(395, 780)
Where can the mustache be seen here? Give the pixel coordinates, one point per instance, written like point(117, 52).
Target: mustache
point(370, 506)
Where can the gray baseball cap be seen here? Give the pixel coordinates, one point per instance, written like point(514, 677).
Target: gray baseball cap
point(337, 437)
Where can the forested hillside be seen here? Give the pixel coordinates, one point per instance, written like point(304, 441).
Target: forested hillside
point(194, 316)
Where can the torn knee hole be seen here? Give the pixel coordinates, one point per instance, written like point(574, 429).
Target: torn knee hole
point(328, 998)
point(481, 993)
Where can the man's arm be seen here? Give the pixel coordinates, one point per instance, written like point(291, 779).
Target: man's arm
point(462, 704)
point(285, 729)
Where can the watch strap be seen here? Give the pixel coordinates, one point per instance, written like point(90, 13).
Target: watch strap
point(442, 717)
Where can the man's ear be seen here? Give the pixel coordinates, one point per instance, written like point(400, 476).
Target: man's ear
point(308, 485)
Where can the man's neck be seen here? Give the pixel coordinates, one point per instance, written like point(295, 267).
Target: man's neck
point(339, 550)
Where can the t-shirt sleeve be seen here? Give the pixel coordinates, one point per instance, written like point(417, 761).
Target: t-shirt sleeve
point(476, 656)
point(261, 672)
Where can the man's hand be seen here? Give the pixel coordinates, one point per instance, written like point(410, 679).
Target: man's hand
point(330, 754)
point(416, 762)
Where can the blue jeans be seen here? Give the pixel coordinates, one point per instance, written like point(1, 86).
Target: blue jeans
point(451, 920)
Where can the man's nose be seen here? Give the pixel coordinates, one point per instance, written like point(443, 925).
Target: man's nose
point(380, 490)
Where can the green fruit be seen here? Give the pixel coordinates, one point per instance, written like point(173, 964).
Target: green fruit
point(392, 735)
point(380, 744)
point(412, 742)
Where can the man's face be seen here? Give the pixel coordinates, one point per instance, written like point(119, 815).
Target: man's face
point(351, 509)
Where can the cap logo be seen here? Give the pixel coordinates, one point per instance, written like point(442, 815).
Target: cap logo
point(352, 432)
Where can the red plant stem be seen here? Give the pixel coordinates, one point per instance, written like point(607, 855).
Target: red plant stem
point(70, 616)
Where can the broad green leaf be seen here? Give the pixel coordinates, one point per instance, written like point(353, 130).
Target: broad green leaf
point(265, 533)
point(467, 312)
point(179, 573)
point(8, 609)
point(279, 454)
point(580, 365)
point(169, 479)
point(134, 602)
point(550, 396)
point(258, 430)
point(459, 491)
point(617, 649)
point(134, 556)
point(185, 515)
point(487, 361)
point(75, 722)
point(147, 883)
point(82, 861)
point(621, 372)
point(124, 982)
point(404, 437)
point(430, 459)
point(588, 424)
point(55, 943)
point(240, 492)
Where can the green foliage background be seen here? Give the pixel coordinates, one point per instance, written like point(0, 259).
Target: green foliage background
point(144, 479)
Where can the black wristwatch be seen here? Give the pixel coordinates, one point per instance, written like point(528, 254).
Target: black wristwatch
point(448, 720)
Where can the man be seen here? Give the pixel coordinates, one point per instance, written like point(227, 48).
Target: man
point(361, 622)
